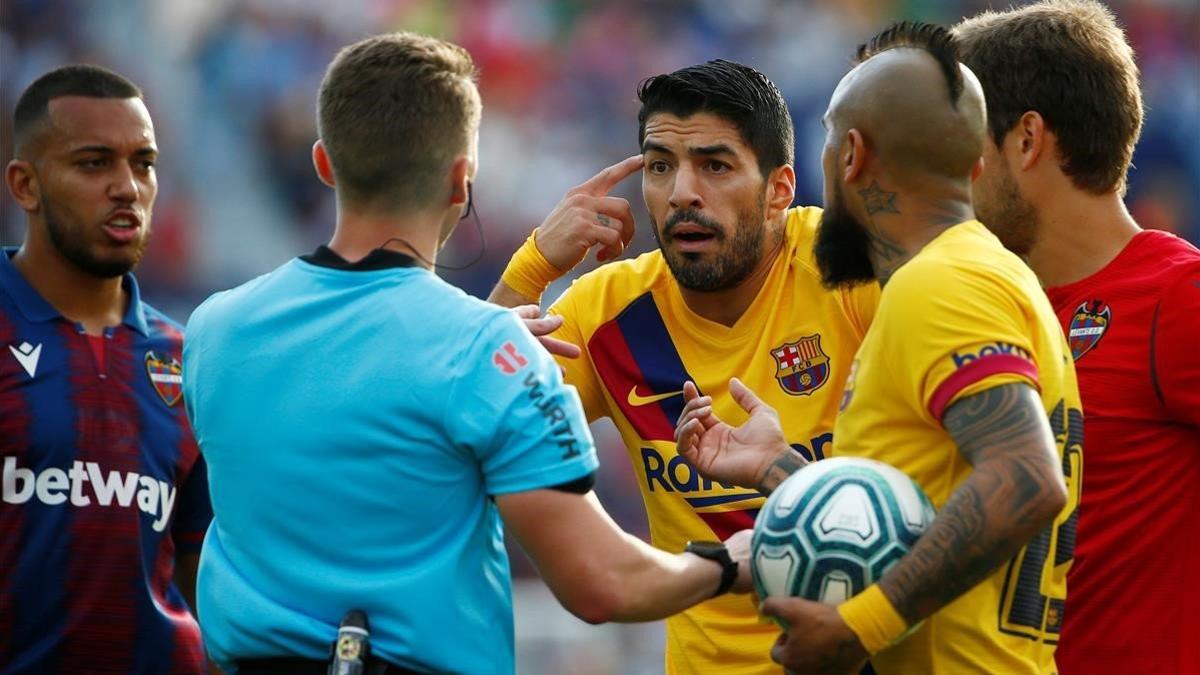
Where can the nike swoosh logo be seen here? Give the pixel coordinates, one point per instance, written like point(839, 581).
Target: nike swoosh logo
point(27, 355)
point(636, 400)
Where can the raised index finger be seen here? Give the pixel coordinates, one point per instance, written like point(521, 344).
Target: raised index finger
point(600, 184)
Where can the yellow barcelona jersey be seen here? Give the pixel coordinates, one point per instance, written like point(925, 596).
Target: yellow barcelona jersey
point(793, 346)
point(962, 316)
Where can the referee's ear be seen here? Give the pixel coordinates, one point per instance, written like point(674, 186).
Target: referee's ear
point(461, 172)
point(322, 164)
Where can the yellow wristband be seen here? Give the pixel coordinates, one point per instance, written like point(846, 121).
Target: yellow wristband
point(873, 619)
point(528, 272)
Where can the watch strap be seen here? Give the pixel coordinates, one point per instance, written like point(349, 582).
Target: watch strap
point(716, 551)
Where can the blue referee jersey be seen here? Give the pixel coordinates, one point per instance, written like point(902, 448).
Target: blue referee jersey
point(356, 419)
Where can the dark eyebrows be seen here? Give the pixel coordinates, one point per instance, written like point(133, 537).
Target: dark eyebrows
point(93, 149)
point(650, 146)
point(145, 151)
point(708, 150)
point(703, 151)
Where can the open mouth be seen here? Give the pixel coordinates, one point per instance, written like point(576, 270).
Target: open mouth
point(691, 237)
point(123, 226)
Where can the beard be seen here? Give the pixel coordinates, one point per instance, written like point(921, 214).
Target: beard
point(72, 242)
point(843, 247)
point(736, 256)
point(1013, 220)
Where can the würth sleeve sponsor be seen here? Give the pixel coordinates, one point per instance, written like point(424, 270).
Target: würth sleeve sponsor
point(1174, 358)
point(510, 409)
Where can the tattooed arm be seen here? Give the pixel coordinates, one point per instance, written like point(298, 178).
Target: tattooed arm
point(1015, 490)
point(783, 465)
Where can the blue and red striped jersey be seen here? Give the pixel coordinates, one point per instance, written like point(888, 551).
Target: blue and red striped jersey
point(102, 485)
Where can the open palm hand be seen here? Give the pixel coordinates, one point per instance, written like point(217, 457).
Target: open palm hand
point(738, 455)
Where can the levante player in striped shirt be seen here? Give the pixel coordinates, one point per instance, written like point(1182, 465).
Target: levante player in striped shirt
point(1060, 146)
point(105, 499)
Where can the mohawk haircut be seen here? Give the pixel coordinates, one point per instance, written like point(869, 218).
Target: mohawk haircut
point(928, 37)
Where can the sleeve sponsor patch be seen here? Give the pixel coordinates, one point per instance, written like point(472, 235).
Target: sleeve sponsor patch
point(977, 364)
point(549, 404)
point(508, 359)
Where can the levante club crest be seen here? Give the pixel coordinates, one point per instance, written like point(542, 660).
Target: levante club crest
point(166, 375)
point(1088, 325)
point(801, 366)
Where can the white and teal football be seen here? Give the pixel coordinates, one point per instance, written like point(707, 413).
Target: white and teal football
point(835, 527)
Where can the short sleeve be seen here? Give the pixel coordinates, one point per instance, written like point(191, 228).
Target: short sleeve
point(193, 510)
point(579, 371)
point(1176, 361)
point(958, 332)
point(510, 407)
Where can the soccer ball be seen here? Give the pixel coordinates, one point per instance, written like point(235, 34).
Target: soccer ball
point(835, 527)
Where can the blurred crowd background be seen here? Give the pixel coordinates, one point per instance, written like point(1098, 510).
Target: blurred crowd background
point(232, 84)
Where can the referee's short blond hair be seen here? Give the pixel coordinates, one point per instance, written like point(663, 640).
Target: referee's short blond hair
point(393, 112)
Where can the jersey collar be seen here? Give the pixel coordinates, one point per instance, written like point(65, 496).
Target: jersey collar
point(379, 259)
point(35, 308)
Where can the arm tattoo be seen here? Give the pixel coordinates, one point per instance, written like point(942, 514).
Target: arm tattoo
point(787, 463)
point(1009, 496)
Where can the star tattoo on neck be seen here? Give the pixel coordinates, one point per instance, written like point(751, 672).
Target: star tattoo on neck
point(879, 200)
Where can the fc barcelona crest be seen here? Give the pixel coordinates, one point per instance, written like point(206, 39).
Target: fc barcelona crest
point(801, 366)
point(1088, 325)
point(166, 375)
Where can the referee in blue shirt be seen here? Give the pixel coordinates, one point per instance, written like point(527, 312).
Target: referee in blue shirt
point(367, 426)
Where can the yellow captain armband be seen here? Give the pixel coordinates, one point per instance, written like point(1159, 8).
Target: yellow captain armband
point(873, 619)
point(528, 271)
